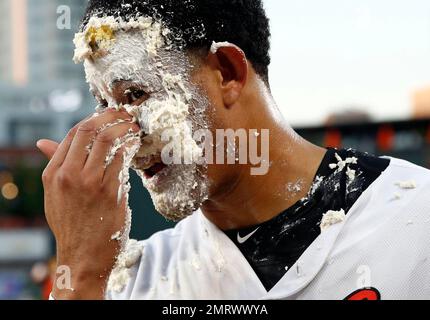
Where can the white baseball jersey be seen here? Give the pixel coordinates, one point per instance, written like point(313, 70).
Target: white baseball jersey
point(381, 250)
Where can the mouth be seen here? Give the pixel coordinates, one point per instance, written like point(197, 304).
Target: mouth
point(154, 170)
point(150, 166)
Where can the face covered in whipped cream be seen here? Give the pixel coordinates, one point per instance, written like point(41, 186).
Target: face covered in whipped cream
point(131, 65)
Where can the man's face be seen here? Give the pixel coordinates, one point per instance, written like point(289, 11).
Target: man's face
point(153, 83)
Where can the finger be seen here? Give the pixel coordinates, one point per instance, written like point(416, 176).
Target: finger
point(86, 135)
point(48, 147)
point(103, 146)
point(61, 153)
point(110, 178)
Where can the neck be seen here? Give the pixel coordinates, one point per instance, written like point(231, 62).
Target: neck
point(251, 200)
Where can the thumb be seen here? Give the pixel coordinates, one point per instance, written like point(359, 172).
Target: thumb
point(47, 147)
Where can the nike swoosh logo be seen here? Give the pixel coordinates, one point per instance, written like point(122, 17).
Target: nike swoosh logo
point(242, 240)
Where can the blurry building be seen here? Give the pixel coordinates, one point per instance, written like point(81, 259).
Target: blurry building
point(5, 53)
point(421, 103)
point(42, 92)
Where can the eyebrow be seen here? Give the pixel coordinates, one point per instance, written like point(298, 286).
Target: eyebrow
point(116, 81)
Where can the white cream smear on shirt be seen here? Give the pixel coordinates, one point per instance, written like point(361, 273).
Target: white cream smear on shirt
point(138, 51)
point(331, 218)
point(407, 185)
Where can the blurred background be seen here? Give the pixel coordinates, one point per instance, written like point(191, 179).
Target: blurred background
point(345, 74)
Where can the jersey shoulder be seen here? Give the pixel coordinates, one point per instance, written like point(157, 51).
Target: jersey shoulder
point(406, 176)
point(402, 191)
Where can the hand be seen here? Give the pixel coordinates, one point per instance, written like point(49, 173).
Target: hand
point(81, 204)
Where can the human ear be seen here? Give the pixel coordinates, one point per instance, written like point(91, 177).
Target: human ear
point(232, 67)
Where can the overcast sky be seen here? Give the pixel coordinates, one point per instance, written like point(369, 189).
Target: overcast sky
point(327, 55)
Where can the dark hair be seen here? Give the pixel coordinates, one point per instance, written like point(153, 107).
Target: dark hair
point(199, 22)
